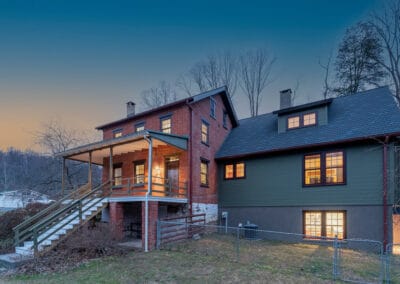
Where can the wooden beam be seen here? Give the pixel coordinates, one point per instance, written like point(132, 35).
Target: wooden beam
point(90, 170)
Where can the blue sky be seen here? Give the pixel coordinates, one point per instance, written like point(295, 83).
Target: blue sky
point(80, 61)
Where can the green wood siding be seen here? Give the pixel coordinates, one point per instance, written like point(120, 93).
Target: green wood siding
point(278, 181)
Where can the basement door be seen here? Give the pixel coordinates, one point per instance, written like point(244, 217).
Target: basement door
point(172, 175)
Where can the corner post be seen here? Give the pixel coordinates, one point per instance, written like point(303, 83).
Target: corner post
point(63, 176)
point(90, 170)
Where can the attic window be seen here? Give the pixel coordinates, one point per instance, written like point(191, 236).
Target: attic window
point(117, 133)
point(304, 120)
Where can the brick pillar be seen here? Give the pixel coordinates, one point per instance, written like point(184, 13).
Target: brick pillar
point(153, 217)
point(117, 219)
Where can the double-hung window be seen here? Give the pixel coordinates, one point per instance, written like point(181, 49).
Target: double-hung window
point(204, 172)
point(138, 175)
point(327, 168)
point(204, 132)
point(329, 224)
point(117, 174)
point(235, 170)
point(166, 124)
point(212, 107)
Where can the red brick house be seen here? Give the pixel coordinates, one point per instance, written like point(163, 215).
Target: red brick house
point(175, 145)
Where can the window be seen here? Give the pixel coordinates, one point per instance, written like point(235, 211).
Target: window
point(293, 122)
point(117, 174)
point(138, 175)
point(235, 170)
point(225, 120)
point(139, 127)
point(204, 172)
point(166, 124)
point(117, 133)
point(204, 132)
point(212, 107)
point(324, 168)
point(309, 119)
point(304, 120)
point(327, 224)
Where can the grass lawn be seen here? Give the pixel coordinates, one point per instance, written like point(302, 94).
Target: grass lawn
point(214, 259)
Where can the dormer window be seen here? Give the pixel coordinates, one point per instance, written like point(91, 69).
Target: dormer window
point(310, 119)
point(293, 122)
point(303, 120)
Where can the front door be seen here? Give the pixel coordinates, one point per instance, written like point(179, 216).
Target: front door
point(172, 176)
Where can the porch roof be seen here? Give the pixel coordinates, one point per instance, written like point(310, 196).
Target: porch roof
point(121, 145)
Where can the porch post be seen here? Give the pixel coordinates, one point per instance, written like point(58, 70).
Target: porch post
point(149, 181)
point(110, 177)
point(90, 170)
point(150, 167)
point(63, 176)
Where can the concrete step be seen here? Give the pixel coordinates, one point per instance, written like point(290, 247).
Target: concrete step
point(25, 251)
point(13, 260)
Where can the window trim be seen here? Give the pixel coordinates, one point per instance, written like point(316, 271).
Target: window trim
point(139, 124)
point(117, 166)
point(207, 143)
point(165, 117)
point(323, 169)
point(135, 163)
point(207, 162)
point(117, 130)
point(213, 108)
point(234, 170)
point(323, 224)
point(225, 119)
point(301, 120)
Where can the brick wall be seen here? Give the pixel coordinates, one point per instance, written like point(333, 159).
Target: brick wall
point(117, 219)
point(217, 135)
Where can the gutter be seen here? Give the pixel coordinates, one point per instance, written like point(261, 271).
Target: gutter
point(384, 191)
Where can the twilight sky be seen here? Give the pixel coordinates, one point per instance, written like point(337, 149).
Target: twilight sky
point(81, 61)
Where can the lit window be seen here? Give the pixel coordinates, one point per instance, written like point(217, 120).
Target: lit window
point(204, 172)
point(212, 107)
point(139, 127)
point(117, 133)
point(225, 120)
point(204, 132)
point(138, 175)
point(235, 170)
point(166, 125)
point(312, 169)
point(117, 175)
point(293, 122)
point(309, 119)
point(324, 168)
point(329, 224)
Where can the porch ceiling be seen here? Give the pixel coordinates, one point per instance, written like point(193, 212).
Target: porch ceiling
point(122, 145)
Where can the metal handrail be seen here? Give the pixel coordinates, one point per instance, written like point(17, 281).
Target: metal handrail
point(38, 227)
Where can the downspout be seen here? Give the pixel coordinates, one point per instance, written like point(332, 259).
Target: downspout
point(149, 177)
point(384, 191)
point(190, 160)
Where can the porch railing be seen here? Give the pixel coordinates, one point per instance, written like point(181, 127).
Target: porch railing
point(138, 185)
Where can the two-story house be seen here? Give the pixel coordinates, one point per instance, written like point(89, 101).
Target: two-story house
point(161, 161)
point(327, 168)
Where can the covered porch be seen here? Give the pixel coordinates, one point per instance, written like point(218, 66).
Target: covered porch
point(129, 161)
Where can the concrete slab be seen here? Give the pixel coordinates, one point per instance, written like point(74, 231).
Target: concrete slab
point(135, 244)
point(13, 260)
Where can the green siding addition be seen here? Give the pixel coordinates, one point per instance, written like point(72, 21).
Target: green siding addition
point(278, 181)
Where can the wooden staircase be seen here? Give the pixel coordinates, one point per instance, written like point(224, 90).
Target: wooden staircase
point(53, 224)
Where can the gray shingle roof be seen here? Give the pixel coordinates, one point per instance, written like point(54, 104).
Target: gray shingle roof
point(365, 114)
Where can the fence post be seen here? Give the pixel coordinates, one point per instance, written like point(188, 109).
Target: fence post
point(336, 259)
point(158, 233)
point(35, 242)
point(386, 264)
point(237, 243)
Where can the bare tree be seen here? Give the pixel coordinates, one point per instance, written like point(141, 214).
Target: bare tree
point(387, 27)
point(158, 96)
point(215, 71)
point(295, 92)
point(254, 76)
point(326, 88)
point(357, 60)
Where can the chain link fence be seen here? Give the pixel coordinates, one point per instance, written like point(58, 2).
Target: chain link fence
point(352, 260)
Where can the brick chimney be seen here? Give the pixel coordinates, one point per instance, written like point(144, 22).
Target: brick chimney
point(130, 109)
point(286, 98)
